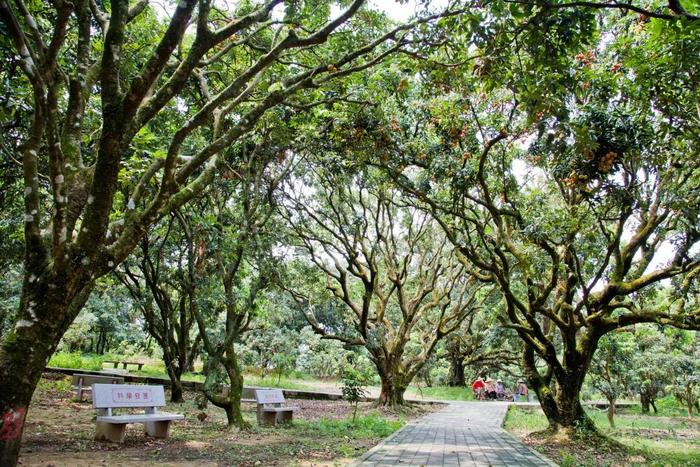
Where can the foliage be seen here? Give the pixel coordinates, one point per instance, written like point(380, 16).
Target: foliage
point(685, 382)
point(353, 388)
point(323, 358)
point(78, 360)
point(400, 285)
point(10, 285)
point(611, 371)
point(106, 323)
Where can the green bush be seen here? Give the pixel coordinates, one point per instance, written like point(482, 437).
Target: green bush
point(354, 383)
point(77, 360)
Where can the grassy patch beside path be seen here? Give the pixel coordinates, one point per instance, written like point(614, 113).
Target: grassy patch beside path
point(636, 439)
point(445, 393)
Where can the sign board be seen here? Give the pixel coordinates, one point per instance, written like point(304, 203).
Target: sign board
point(269, 396)
point(127, 395)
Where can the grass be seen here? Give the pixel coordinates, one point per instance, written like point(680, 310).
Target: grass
point(78, 360)
point(372, 425)
point(157, 370)
point(657, 440)
point(442, 393)
point(284, 382)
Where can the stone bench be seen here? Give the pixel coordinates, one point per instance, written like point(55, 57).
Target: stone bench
point(270, 409)
point(247, 394)
point(124, 363)
point(110, 427)
point(83, 383)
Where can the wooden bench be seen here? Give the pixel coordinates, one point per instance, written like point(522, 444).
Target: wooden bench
point(124, 363)
point(270, 410)
point(83, 383)
point(110, 427)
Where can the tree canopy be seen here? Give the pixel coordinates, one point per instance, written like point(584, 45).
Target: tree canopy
point(404, 187)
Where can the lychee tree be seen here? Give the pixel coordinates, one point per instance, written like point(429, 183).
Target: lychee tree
point(123, 113)
point(571, 179)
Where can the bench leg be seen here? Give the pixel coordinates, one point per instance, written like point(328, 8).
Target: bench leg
point(116, 364)
point(266, 418)
point(284, 417)
point(158, 429)
point(78, 394)
point(114, 432)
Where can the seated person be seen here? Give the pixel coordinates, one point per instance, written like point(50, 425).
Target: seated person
point(490, 389)
point(478, 388)
point(500, 390)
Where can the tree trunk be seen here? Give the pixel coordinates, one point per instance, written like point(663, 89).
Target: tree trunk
point(175, 383)
point(564, 411)
point(234, 416)
point(393, 382)
point(644, 400)
point(47, 309)
point(229, 401)
point(611, 412)
point(560, 398)
point(456, 374)
point(392, 393)
point(192, 355)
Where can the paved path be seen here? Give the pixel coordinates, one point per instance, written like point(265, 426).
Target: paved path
point(461, 434)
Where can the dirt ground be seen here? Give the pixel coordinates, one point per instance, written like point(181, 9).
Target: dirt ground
point(59, 432)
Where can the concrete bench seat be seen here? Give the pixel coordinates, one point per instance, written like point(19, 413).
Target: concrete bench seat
point(280, 409)
point(271, 411)
point(139, 418)
point(111, 427)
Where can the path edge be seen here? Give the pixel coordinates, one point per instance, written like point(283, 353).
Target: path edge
point(357, 462)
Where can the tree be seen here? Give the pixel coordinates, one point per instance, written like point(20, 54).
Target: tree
point(651, 364)
point(611, 370)
point(127, 115)
point(563, 201)
point(684, 356)
point(162, 283)
point(243, 267)
point(557, 252)
point(401, 284)
point(479, 347)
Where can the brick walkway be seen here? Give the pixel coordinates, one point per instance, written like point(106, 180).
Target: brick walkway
point(462, 434)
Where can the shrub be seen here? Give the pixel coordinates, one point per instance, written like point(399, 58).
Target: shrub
point(353, 388)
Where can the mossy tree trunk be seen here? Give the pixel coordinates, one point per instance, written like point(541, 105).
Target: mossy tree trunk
point(611, 412)
point(559, 394)
point(395, 378)
point(456, 375)
point(226, 368)
point(48, 306)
